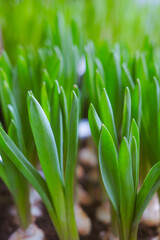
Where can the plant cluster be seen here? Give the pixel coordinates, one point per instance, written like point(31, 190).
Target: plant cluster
point(44, 89)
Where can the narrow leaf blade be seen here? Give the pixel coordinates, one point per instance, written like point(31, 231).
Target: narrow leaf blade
point(95, 123)
point(109, 167)
point(107, 116)
point(126, 114)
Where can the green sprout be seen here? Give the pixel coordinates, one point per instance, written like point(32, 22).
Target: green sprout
point(120, 174)
point(15, 81)
point(145, 69)
point(112, 72)
point(12, 121)
point(106, 88)
point(57, 157)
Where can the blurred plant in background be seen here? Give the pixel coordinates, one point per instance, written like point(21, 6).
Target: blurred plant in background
point(127, 22)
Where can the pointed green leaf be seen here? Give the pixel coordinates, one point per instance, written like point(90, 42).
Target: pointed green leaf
point(137, 103)
point(135, 163)
point(99, 87)
point(109, 167)
point(141, 68)
point(126, 186)
point(89, 55)
point(6, 65)
point(76, 90)
point(56, 122)
point(70, 165)
point(63, 103)
point(95, 123)
point(5, 96)
point(114, 84)
point(18, 126)
point(127, 77)
point(22, 72)
point(31, 174)
point(99, 67)
point(134, 132)
point(126, 114)
point(46, 78)
point(48, 156)
point(107, 116)
point(45, 100)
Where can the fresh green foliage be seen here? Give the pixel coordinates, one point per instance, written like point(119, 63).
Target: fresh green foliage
point(107, 115)
point(106, 80)
point(14, 180)
point(34, 71)
point(150, 138)
point(117, 70)
point(108, 19)
point(120, 173)
point(57, 160)
point(14, 83)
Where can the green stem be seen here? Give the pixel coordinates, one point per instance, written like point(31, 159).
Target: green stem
point(72, 227)
point(120, 230)
point(123, 235)
point(23, 205)
point(56, 225)
point(133, 234)
point(114, 222)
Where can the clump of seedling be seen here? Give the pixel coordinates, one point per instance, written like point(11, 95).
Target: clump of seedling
point(56, 143)
point(119, 166)
point(12, 121)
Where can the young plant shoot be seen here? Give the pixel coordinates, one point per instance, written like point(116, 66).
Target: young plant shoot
point(106, 114)
point(11, 176)
point(119, 166)
point(56, 143)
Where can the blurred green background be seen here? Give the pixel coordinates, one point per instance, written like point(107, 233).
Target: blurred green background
point(29, 22)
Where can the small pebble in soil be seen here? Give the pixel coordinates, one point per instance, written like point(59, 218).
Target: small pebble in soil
point(103, 213)
point(87, 157)
point(82, 220)
point(80, 173)
point(82, 196)
point(32, 233)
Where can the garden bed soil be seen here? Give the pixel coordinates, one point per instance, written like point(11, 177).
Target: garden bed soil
point(7, 224)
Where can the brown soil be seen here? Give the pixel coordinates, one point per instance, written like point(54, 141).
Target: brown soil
point(7, 226)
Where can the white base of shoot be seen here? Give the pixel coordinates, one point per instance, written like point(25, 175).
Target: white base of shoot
point(31, 233)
